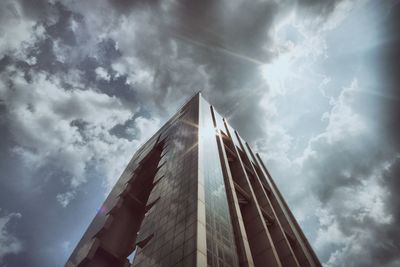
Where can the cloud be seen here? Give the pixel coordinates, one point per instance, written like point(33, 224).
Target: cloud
point(347, 171)
point(352, 233)
point(9, 243)
point(66, 129)
point(17, 32)
point(65, 198)
point(343, 122)
point(102, 74)
point(390, 39)
point(327, 15)
point(168, 55)
point(145, 128)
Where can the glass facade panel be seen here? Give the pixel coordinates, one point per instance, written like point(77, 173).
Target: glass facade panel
point(172, 218)
point(221, 249)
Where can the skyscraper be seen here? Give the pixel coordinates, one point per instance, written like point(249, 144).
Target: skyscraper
point(194, 194)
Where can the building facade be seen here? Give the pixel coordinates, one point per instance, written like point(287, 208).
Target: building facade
point(194, 194)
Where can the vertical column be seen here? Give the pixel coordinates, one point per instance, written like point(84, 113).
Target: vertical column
point(281, 242)
point(303, 251)
point(262, 248)
point(242, 244)
point(220, 239)
point(201, 252)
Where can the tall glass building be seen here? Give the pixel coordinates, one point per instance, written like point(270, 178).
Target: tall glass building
point(195, 194)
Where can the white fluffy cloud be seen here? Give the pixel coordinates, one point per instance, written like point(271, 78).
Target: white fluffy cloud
point(102, 74)
point(9, 243)
point(65, 198)
point(145, 128)
point(67, 129)
point(342, 120)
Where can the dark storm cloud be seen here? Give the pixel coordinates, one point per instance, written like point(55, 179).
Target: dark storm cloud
point(88, 65)
point(325, 8)
point(220, 36)
point(4, 62)
point(376, 234)
point(231, 40)
point(126, 6)
point(391, 180)
point(391, 70)
point(107, 52)
point(36, 9)
point(62, 29)
point(219, 26)
point(46, 59)
point(215, 48)
point(385, 251)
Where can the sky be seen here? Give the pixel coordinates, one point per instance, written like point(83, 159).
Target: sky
point(312, 85)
